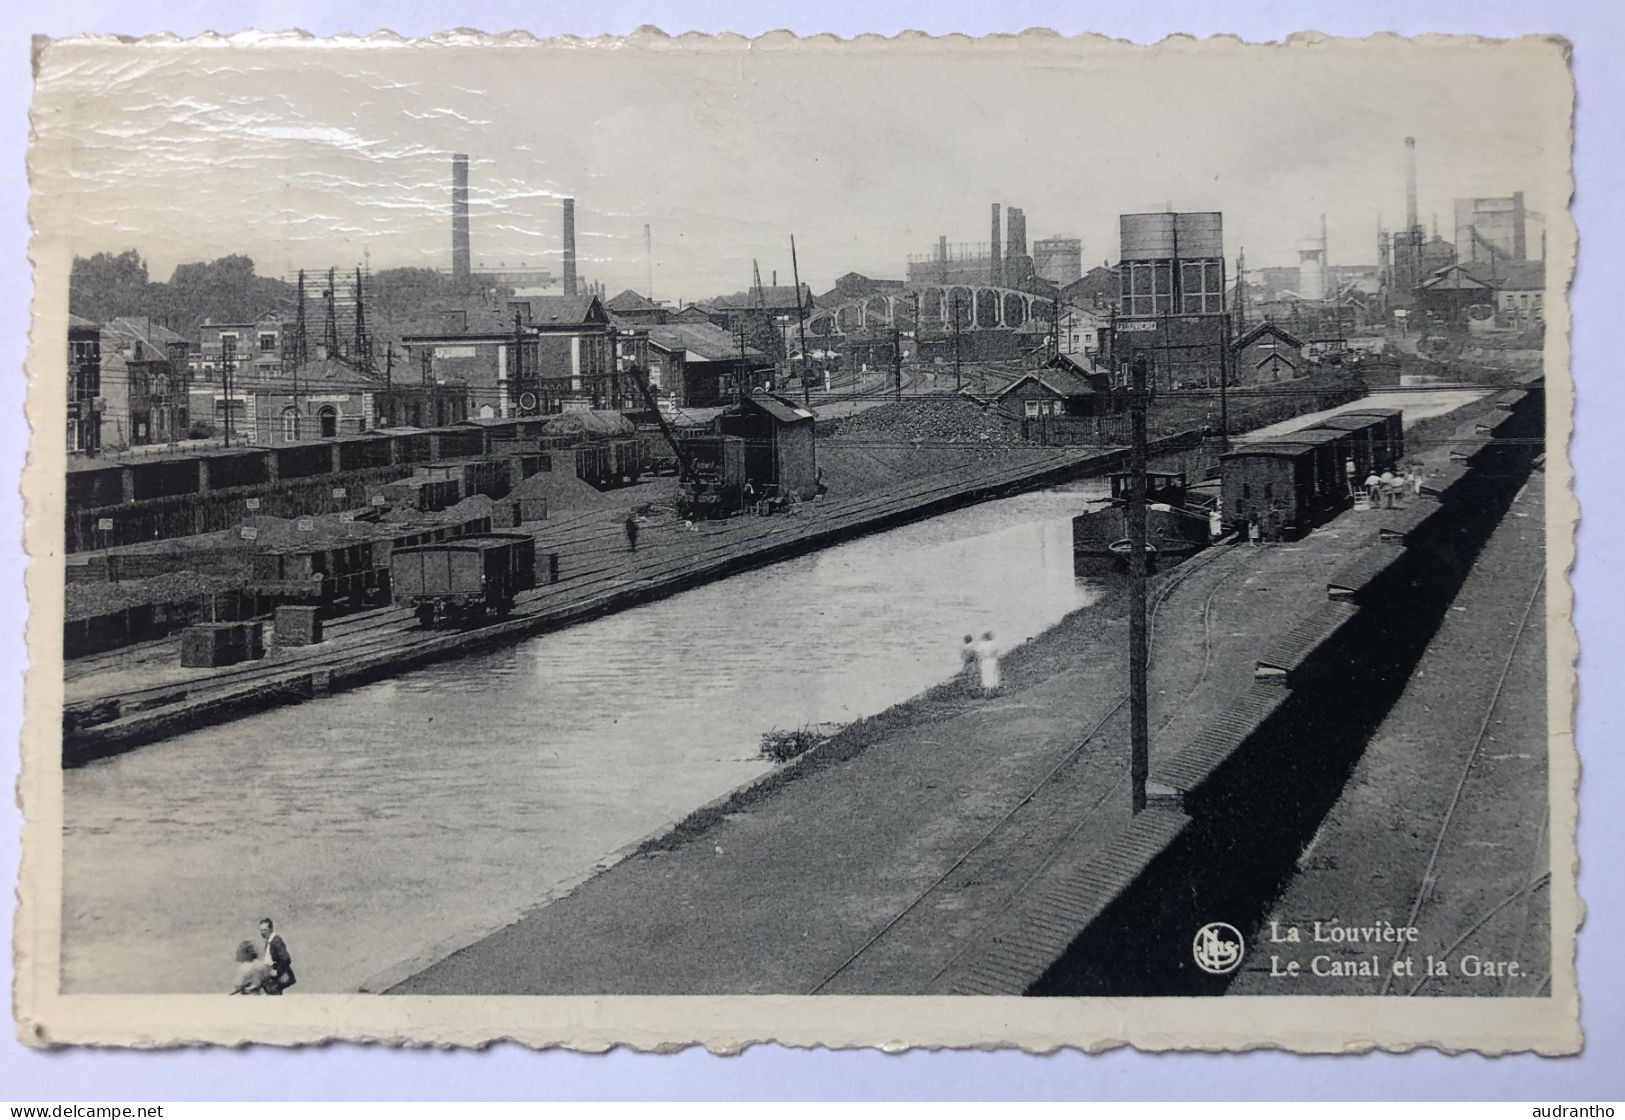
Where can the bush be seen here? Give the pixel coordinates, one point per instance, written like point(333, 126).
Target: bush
point(782, 746)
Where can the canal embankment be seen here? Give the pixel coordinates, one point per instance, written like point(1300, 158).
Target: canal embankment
point(900, 845)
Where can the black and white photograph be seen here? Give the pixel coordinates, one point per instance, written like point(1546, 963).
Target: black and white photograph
point(1064, 539)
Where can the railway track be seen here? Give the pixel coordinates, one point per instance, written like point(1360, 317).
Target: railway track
point(1536, 879)
point(1187, 570)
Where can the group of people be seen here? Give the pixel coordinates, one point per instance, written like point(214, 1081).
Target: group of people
point(267, 970)
point(979, 662)
point(1389, 489)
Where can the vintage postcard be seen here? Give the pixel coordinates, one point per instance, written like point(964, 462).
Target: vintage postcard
point(1025, 541)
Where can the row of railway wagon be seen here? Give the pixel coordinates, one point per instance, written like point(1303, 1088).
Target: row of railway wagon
point(453, 574)
point(1304, 475)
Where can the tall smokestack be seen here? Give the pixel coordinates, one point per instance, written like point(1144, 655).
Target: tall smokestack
point(998, 263)
point(1015, 244)
point(1520, 228)
point(569, 246)
point(459, 217)
point(1410, 183)
point(648, 263)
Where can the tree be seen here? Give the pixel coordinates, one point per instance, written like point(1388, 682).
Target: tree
point(104, 286)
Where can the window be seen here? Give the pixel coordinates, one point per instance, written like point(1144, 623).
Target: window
point(290, 424)
point(1032, 410)
point(267, 342)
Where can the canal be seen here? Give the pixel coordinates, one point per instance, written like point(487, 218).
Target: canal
point(424, 811)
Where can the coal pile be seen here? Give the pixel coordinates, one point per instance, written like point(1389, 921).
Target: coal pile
point(931, 421)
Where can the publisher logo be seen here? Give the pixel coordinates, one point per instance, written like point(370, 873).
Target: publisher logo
point(1218, 948)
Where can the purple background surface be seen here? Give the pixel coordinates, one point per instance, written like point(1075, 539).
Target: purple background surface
point(1597, 29)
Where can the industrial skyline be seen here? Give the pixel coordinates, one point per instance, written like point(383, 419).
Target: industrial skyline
point(365, 186)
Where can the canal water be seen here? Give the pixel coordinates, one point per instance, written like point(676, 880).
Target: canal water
point(426, 810)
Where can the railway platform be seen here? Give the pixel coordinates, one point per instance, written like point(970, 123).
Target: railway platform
point(1444, 825)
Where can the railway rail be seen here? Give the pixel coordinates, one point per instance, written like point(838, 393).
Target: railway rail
point(1428, 886)
point(1186, 570)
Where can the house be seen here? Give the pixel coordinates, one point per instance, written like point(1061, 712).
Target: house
point(321, 399)
point(544, 354)
point(251, 347)
point(1451, 293)
point(1080, 330)
point(698, 313)
point(1520, 294)
point(1059, 389)
point(699, 365)
point(780, 443)
point(631, 309)
point(84, 386)
point(145, 383)
point(1266, 354)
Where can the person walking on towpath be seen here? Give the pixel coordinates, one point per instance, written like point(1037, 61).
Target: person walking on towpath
point(277, 958)
point(1215, 526)
point(987, 660)
point(967, 657)
point(1416, 480)
point(1373, 490)
point(1349, 477)
point(632, 532)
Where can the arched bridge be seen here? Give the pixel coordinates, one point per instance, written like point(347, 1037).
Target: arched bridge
point(978, 307)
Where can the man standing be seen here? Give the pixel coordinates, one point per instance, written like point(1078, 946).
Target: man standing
point(277, 958)
point(632, 532)
point(1348, 477)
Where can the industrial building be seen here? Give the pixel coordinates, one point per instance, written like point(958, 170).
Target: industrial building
point(1497, 229)
point(1058, 259)
point(539, 355)
point(1171, 297)
point(1003, 261)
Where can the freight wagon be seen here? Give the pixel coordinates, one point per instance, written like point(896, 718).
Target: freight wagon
point(1300, 476)
point(1376, 438)
point(465, 580)
point(327, 575)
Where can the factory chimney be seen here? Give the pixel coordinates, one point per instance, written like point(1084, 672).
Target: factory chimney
point(459, 218)
point(1520, 228)
point(942, 255)
point(1410, 183)
point(648, 263)
point(997, 276)
point(569, 246)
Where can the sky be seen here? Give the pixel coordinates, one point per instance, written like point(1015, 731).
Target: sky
point(305, 153)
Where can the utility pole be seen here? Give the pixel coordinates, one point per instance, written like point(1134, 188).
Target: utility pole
point(919, 332)
point(801, 322)
point(228, 358)
point(897, 357)
point(959, 380)
point(1224, 380)
point(1138, 654)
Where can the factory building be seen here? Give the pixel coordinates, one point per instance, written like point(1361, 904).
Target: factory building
point(1495, 229)
point(1171, 297)
point(1058, 259)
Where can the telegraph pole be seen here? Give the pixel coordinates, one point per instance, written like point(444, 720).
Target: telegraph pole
point(959, 380)
point(896, 356)
point(801, 323)
point(1138, 655)
point(228, 358)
